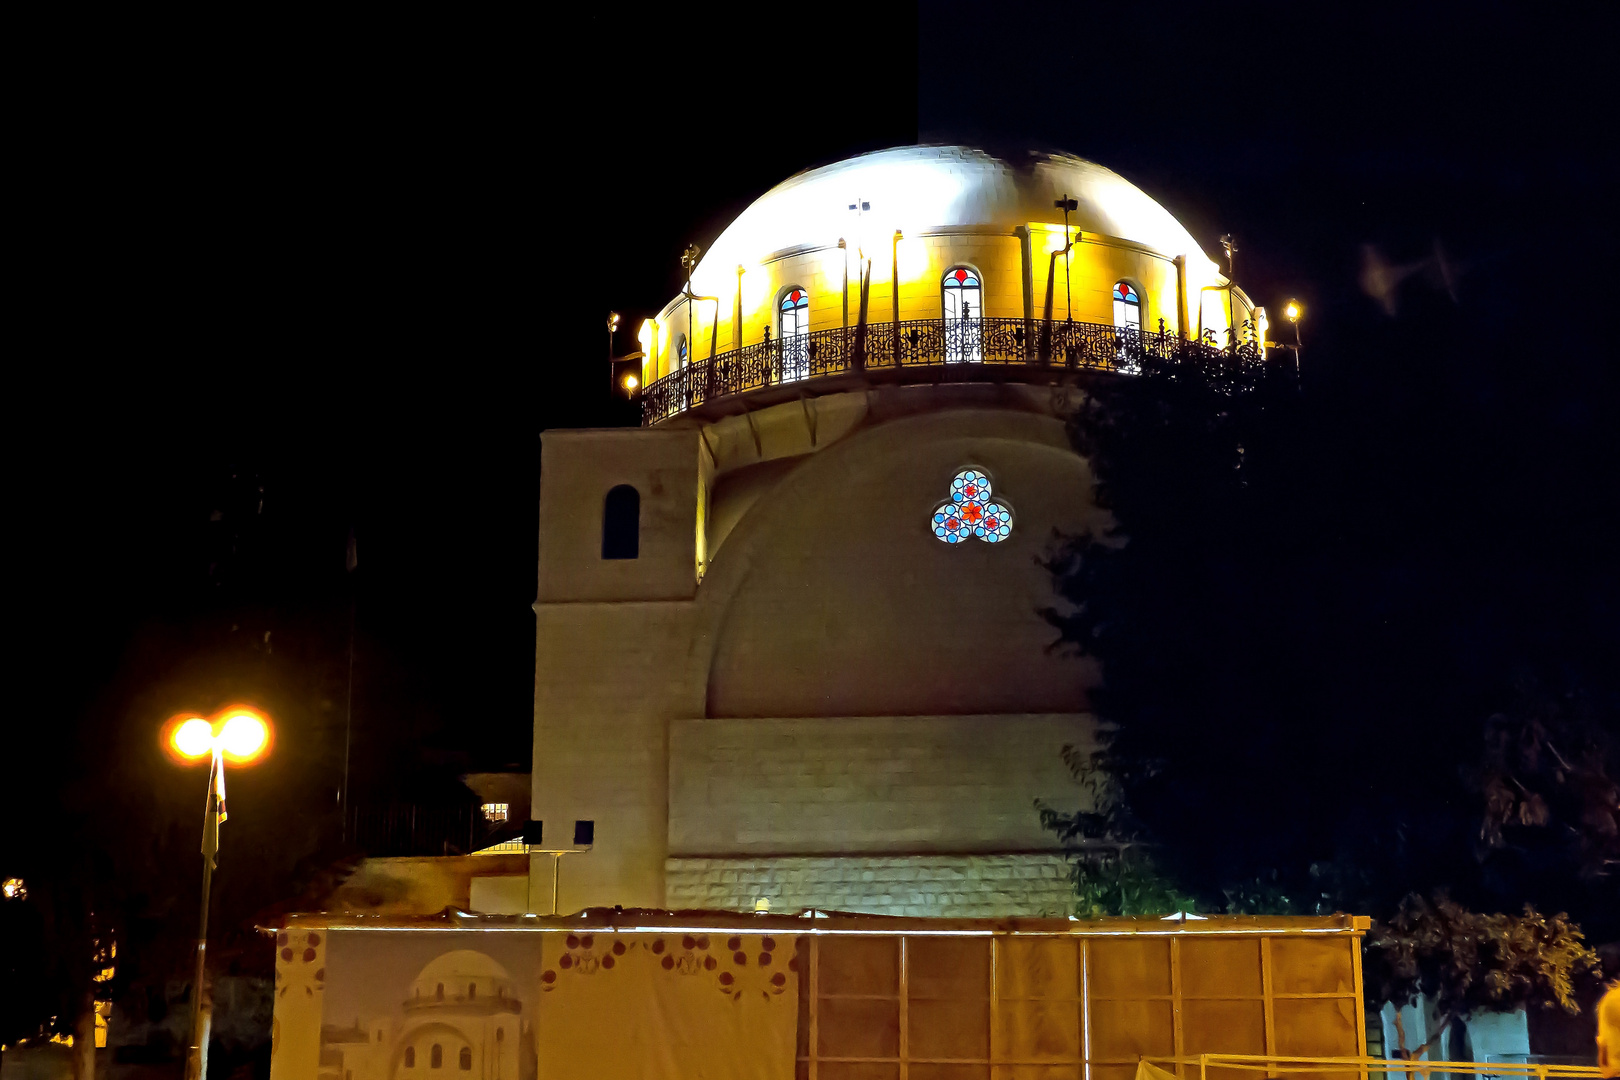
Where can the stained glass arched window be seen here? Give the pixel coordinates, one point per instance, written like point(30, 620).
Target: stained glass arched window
point(793, 325)
point(970, 513)
point(964, 315)
point(1127, 307)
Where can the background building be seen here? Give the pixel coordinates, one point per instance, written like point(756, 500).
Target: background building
point(789, 640)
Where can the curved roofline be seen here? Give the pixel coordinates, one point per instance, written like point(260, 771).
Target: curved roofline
point(938, 187)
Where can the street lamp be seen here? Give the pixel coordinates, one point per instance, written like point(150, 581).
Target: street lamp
point(239, 736)
point(1294, 313)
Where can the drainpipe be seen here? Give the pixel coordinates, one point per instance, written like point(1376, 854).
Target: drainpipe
point(860, 323)
point(1182, 319)
point(844, 247)
point(1022, 232)
point(894, 291)
point(1051, 280)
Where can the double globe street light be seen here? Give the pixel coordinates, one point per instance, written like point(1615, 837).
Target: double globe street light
point(236, 736)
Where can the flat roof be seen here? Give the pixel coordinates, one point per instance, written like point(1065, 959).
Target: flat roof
point(817, 922)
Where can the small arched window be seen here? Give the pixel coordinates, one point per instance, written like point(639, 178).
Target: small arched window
point(500, 1034)
point(1127, 307)
point(472, 991)
point(621, 523)
point(436, 1057)
point(465, 1059)
point(795, 318)
point(793, 324)
point(438, 992)
point(680, 350)
point(410, 1057)
point(964, 315)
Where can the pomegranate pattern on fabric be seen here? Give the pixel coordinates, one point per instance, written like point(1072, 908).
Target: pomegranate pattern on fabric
point(746, 963)
point(299, 963)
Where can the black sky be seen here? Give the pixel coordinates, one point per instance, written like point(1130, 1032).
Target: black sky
point(362, 267)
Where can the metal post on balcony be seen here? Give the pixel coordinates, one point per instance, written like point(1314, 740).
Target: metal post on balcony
point(894, 291)
point(1230, 246)
point(1066, 204)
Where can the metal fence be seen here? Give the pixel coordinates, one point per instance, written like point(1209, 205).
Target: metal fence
point(959, 350)
point(397, 829)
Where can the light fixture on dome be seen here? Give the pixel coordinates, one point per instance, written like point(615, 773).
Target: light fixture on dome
point(622, 369)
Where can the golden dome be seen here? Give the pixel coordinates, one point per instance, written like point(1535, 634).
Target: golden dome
point(916, 189)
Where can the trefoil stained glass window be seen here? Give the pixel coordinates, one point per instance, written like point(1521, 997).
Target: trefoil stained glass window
point(795, 328)
point(970, 513)
point(964, 316)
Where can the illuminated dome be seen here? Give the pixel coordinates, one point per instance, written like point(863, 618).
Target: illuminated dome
point(935, 263)
point(452, 977)
point(914, 188)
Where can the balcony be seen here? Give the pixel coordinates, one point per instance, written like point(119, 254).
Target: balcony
point(928, 350)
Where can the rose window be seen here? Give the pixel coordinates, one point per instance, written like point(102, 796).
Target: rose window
point(970, 512)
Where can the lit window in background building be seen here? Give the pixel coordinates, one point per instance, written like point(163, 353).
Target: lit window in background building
point(495, 811)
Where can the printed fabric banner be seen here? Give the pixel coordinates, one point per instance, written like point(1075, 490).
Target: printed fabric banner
point(677, 1006)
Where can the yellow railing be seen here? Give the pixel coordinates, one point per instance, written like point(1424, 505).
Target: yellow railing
point(1363, 1066)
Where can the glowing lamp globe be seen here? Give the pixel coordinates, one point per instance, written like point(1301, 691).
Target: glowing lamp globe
point(194, 738)
point(1292, 310)
point(243, 736)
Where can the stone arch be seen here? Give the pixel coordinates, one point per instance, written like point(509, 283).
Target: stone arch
point(832, 597)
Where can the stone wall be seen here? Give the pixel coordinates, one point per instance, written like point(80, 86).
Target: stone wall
point(868, 784)
point(950, 886)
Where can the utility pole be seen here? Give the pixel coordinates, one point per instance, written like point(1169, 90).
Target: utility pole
point(349, 563)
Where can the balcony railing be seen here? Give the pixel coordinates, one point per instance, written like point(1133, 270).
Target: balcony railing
point(959, 350)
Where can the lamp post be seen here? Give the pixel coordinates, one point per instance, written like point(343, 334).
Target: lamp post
point(239, 736)
point(1230, 246)
point(1066, 204)
point(1294, 313)
point(612, 325)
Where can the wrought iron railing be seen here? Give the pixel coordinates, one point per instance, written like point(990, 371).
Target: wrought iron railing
point(398, 828)
point(959, 348)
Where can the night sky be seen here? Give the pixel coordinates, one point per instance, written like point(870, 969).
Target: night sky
point(283, 281)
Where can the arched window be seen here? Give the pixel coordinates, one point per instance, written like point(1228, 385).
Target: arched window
point(621, 523)
point(438, 993)
point(500, 1034)
point(793, 325)
point(680, 351)
point(465, 1060)
point(964, 316)
point(1127, 307)
point(472, 991)
point(410, 1057)
point(436, 1057)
